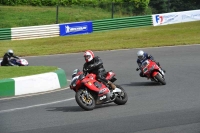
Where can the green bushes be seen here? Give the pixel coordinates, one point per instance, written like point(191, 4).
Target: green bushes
point(48, 2)
point(137, 4)
point(29, 2)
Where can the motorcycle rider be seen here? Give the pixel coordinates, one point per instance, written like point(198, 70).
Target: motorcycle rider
point(93, 64)
point(6, 58)
point(143, 56)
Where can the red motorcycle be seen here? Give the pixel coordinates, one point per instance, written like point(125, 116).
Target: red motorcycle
point(153, 71)
point(90, 92)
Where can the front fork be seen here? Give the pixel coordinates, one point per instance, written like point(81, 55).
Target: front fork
point(86, 93)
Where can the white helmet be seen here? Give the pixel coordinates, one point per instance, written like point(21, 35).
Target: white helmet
point(140, 54)
point(88, 55)
point(10, 52)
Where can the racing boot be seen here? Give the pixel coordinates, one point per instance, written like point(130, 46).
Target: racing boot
point(160, 67)
point(111, 85)
point(112, 96)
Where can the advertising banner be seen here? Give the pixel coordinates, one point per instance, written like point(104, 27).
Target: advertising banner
point(176, 17)
point(75, 28)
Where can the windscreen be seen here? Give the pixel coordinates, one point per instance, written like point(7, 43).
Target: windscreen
point(74, 80)
point(145, 63)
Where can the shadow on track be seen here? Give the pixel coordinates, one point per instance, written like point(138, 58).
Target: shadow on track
point(65, 109)
point(76, 108)
point(142, 84)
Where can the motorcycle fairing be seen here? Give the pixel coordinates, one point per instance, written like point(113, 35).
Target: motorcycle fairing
point(20, 62)
point(150, 70)
point(91, 84)
point(104, 98)
point(97, 84)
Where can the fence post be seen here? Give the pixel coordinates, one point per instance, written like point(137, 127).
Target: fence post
point(112, 10)
point(57, 13)
point(168, 6)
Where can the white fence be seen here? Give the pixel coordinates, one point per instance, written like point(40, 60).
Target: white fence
point(33, 32)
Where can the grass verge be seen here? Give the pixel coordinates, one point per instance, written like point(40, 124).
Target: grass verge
point(168, 35)
point(20, 16)
point(11, 72)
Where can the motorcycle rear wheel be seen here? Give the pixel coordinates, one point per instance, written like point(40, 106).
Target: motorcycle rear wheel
point(160, 79)
point(84, 102)
point(121, 98)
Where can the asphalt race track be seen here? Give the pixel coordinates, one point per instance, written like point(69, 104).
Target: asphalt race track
point(151, 108)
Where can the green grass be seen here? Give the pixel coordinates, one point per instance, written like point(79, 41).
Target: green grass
point(11, 72)
point(20, 16)
point(169, 35)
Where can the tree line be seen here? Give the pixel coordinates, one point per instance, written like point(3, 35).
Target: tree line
point(136, 6)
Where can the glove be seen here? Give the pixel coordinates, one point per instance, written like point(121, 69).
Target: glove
point(85, 70)
point(137, 69)
point(158, 63)
point(17, 57)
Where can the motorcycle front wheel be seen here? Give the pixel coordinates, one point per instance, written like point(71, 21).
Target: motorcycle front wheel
point(85, 100)
point(160, 79)
point(122, 97)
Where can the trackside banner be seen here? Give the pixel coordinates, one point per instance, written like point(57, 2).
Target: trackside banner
point(75, 28)
point(176, 17)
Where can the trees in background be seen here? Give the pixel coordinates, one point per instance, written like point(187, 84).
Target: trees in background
point(124, 6)
point(163, 6)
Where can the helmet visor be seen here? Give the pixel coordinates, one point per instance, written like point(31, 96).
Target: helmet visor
point(87, 57)
point(140, 57)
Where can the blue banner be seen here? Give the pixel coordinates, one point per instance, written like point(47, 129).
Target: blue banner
point(76, 28)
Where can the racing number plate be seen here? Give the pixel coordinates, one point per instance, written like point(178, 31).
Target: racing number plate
point(145, 70)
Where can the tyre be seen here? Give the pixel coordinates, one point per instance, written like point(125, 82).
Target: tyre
point(160, 79)
point(84, 102)
point(122, 97)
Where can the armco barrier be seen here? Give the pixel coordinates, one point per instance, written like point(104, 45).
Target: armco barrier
point(5, 34)
point(33, 32)
point(44, 31)
point(33, 84)
point(117, 23)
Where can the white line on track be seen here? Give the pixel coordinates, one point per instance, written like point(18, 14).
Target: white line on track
point(29, 95)
point(32, 106)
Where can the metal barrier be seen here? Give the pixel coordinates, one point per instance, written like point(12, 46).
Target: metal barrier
point(117, 23)
point(5, 34)
point(44, 31)
point(33, 32)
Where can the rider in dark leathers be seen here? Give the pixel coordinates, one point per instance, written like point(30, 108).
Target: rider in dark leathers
point(142, 56)
point(94, 65)
point(6, 58)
